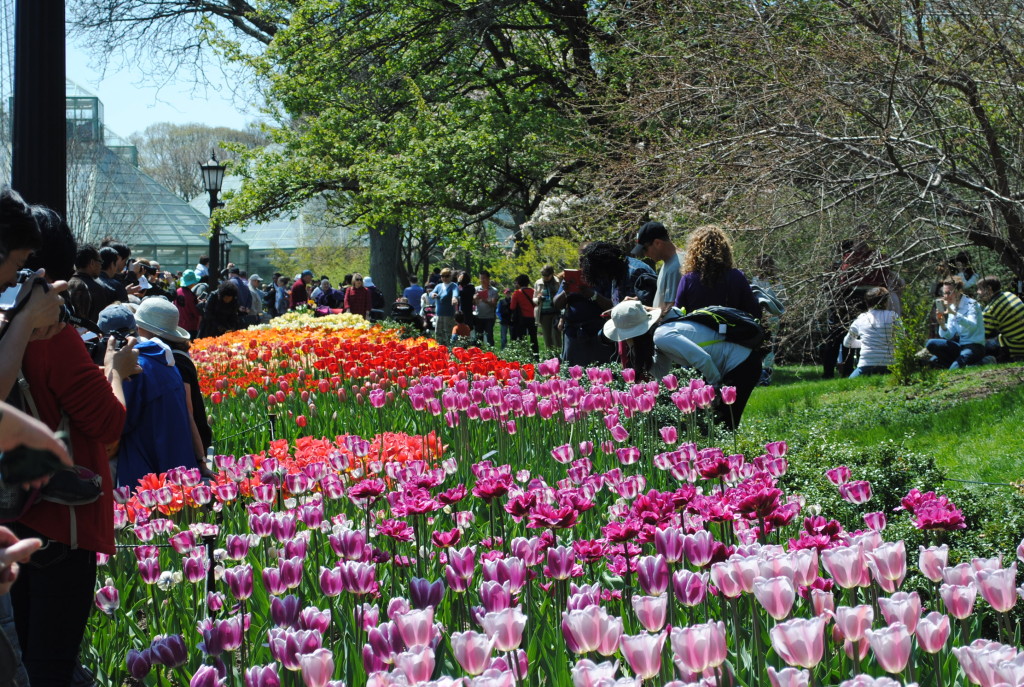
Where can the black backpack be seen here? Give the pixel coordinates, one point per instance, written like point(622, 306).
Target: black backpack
point(738, 326)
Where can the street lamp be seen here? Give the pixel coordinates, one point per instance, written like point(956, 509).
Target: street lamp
point(227, 249)
point(213, 179)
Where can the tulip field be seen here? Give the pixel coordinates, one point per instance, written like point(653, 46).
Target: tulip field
point(387, 511)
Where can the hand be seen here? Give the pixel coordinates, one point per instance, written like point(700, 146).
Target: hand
point(133, 290)
point(12, 552)
point(940, 317)
point(21, 429)
point(42, 305)
point(124, 360)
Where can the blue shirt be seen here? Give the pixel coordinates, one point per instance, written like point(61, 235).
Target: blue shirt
point(157, 435)
point(413, 294)
point(443, 294)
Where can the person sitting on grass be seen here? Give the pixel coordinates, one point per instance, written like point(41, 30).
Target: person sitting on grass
point(873, 333)
point(961, 328)
point(1004, 321)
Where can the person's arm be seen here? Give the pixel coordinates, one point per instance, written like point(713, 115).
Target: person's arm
point(119, 365)
point(37, 319)
point(12, 552)
point(21, 429)
point(197, 440)
point(683, 351)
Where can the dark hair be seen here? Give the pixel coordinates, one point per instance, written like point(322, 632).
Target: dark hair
point(963, 257)
point(18, 229)
point(204, 259)
point(484, 273)
point(57, 252)
point(877, 298)
point(522, 281)
point(413, 279)
point(465, 279)
point(459, 317)
point(991, 283)
point(122, 250)
point(955, 281)
point(108, 256)
point(228, 288)
point(603, 262)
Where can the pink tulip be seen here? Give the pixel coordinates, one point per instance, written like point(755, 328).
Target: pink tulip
point(864, 680)
point(699, 647)
point(888, 564)
point(932, 632)
point(857, 649)
point(728, 395)
point(725, 576)
point(800, 642)
point(652, 574)
point(1020, 551)
point(472, 650)
point(838, 475)
point(582, 629)
point(997, 588)
point(980, 658)
point(788, 677)
point(416, 628)
point(856, 492)
point(891, 646)
point(416, 664)
point(853, 622)
point(823, 602)
point(776, 595)
point(902, 608)
point(643, 653)
point(317, 667)
point(690, 587)
point(959, 599)
point(669, 435)
point(669, 544)
point(651, 611)
point(959, 574)
point(586, 673)
point(847, 565)
point(875, 521)
point(990, 564)
point(505, 628)
point(932, 560)
point(611, 632)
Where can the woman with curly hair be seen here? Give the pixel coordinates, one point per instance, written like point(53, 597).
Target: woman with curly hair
point(710, 276)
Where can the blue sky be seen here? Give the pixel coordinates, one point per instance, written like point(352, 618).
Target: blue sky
point(131, 102)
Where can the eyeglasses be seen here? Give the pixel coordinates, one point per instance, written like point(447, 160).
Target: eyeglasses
point(358, 280)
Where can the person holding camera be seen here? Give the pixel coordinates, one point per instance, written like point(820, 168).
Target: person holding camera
point(65, 389)
point(961, 328)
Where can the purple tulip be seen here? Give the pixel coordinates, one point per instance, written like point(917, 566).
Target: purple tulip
point(262, 676)
point(330, 581)
point(560, 562)
point(273, 581)
point(284, 526)
point(285, 612)
point(652, 574)
point(108, 599)
point(239, 579)
point(287, 645)
point(237, 546)
point(358, 578)
point(459, 571)
point(495, 596)
point(149, 569)
point(312, 618)
point(169, 651)
point(139, 663)
point(182, 542)
point(291, 571)
point(207, 676)
point(423, 593)
point(195, 567)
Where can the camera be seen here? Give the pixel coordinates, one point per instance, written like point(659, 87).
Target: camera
point(27, 279)
point(98, 346)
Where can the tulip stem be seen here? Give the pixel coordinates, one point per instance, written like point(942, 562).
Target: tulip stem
point(937, 669)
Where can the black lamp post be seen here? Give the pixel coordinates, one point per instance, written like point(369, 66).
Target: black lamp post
point(227, 249)
point(213, 179)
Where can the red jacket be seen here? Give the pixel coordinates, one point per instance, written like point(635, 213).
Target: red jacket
point(522, 302)
point(62, 376)
point(297, 295)
point(188, 309)
point(358, 301)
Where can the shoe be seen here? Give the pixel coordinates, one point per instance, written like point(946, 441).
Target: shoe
point(988, 360)
point(766, 378)
point(923, 354)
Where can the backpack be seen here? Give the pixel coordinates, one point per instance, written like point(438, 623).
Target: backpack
point(376, 299)
point(738, 326)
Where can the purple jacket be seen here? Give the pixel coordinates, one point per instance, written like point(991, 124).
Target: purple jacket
point(732, 290)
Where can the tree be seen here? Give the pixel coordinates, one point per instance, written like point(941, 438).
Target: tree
point(171, 153)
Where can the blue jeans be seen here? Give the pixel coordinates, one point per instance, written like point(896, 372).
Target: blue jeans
point(870, 370)
point(10, 650)
point(953, 354)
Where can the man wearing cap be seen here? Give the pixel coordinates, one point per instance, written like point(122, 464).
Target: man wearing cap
point(256, 293)
point(298, 295)
point(159, 433)
point(653, 242)
point(689, 344)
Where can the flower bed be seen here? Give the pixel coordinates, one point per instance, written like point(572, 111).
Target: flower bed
point(519, 530)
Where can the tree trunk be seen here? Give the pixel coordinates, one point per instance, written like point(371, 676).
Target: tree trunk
point(385, 241)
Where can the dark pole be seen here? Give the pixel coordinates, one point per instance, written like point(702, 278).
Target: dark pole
point(38, 167)
point(214, 243)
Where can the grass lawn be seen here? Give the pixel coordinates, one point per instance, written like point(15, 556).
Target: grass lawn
point(971, 421)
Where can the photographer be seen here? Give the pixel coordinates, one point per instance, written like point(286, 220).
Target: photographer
point(67, 389)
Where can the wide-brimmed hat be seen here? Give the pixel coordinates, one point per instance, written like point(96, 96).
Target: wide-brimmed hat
point(189, 278)
point(160, 316)
point(629, 319)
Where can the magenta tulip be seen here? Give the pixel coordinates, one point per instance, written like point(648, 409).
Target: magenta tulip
point(875, 520)
point(700, 647)
point(932, 632)
point(856, 492)
point(643, 653)
point(108, 599)
point(668, 543)
point(891, 646)
point(800, 642)
point(838, 475)
point(472, 650)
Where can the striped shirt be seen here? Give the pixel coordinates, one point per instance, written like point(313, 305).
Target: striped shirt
point(874, 331)
point(1004, 315)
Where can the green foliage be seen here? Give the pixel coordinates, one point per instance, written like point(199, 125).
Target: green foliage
point(554, 250)
point(907, 338)
point(330, 258)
